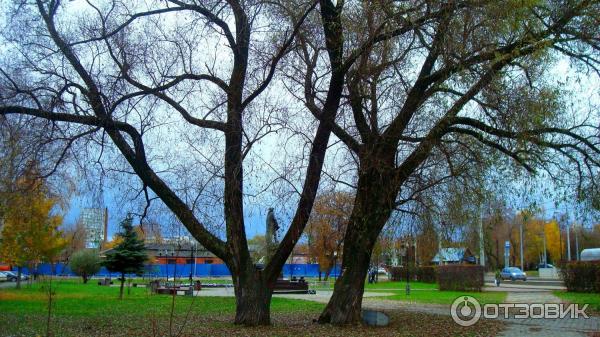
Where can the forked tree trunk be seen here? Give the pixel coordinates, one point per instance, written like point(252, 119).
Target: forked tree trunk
point(253, 299)
point(345, 304)
point(373, 204)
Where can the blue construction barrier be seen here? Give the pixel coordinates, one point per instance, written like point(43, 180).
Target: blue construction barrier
point(182, 270)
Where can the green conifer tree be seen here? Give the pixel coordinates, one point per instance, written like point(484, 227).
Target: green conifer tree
point(129, 256)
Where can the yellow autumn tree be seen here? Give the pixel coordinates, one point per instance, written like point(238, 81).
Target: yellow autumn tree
point(30, 233)
point(553, 246)
point(533, 241)
point(116, 240)
point(536, 230)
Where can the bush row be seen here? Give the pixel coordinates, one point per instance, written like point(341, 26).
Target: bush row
point(416, 273)
point(462, 277)
point(581, 276)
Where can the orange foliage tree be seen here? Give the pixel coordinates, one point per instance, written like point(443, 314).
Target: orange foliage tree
point(326, 228)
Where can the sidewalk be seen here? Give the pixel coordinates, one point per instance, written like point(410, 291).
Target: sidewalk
point(565, 327)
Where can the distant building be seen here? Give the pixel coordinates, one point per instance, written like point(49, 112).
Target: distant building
point(453, 256)
point(177, 252)
point(95, 222)
point(180, 253)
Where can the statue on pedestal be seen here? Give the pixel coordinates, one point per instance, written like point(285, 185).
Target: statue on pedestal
point(271, 234)
point(272, 228)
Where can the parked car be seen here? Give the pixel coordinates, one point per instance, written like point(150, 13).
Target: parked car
point(547, 265)
point(513, 274)
point(3, 276)
point(12, 277)
point(381, 271)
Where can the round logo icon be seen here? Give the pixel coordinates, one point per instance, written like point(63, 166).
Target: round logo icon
point(465, 310)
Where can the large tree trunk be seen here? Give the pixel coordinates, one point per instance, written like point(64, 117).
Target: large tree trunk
point(345, 304)
point(375, 198)
point(253, 298)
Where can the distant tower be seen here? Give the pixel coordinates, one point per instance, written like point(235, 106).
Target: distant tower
point(95, 222)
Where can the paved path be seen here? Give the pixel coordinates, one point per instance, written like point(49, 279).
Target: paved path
point(9, 284)
point(321, 296)
point(521, 286)
point(565, 327)
point(559, 327)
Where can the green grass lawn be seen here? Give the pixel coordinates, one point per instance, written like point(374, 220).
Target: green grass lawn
point(90, 310)
point(75, 298)
point(426, 293)
point(593, 300)
point(395, 285)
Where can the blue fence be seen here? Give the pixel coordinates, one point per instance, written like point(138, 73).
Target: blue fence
point(183, 270)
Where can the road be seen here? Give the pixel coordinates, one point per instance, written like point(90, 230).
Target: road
point(532, 284)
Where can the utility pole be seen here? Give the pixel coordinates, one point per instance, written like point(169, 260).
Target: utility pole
point(481, 242)
point(522, 222)
point(576, 242)
point(416, 249)
point(440, 239)
point(545, 253)
point(568, 243)
point(521, 244)
point(506, 254)
point(194, 258)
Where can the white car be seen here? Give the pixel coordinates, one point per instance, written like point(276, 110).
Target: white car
point(10, 276)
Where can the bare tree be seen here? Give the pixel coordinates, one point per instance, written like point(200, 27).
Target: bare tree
point(438, 82)
point(139, 73)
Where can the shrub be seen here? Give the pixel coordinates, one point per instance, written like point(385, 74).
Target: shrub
point(417, 273)
point(85, 263)
point(580, 276)
point(427, 274)
point(461, 277)
point(397, 273)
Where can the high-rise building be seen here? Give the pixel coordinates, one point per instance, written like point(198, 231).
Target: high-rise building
point(95, 221)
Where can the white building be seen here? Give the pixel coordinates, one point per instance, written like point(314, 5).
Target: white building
point(95, 221)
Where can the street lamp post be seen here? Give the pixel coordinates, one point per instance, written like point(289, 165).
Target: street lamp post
point(404, 252)
point(334, 265)
point(407, 271)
